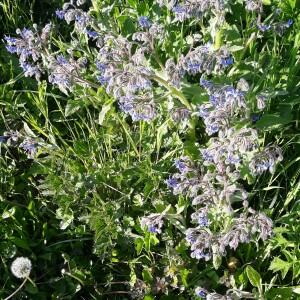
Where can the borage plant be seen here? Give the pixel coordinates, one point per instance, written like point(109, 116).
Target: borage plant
point(150, 68)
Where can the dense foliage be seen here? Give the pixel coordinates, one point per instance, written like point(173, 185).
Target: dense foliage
point(150, 149)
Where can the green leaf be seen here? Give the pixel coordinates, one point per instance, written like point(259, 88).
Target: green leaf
point(31, 289)
point(20, 242)
point(182, 247)
point(232, 34)
point(161, 131)
point(236, 48)
point(153, 239)
point(194, 92)
point(71, 107)
point(271, 121)
point(150, 239)
point(8, 213)
point(139, 243)
point(103, 112)
point(279, 293)
point(217, 259)
point(279, 265)
point(253, 276)
point(132, 3)
point(127, 24)
point(184, 277)
point(133, 276)
point(292, 3)
point(142, 8)
point(147, 276)
point(296, 270)
point(242, 278)
point(266, 2)
point(28, 131)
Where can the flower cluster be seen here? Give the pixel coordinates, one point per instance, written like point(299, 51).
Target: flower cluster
point(122, 65)
point(194, 8)
point(266, 160)
point(225, 103)
point(15, 139)
point(66, 72)
point(11, 138)
point(180, 114)
point(153, 223)
point(254, 5)
point(182, 184)
point(215, 189)
point(202, 59)
point(231, 294)
point(277, 27)
point(144, 22)
point(29, 46)
point(205, 59)
point(84, 23)
point(126, 76)
point(70, 12)
point(30, 146)
point(151, 32)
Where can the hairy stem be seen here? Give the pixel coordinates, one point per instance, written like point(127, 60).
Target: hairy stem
point(179, 95)
point(17, 290)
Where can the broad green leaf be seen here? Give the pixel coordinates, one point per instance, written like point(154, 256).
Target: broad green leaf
point(150, 239)
point(194, 92)
point(139, 243)
point(232, 33)
point(182, 247)
point(292, 3)
point(20, 242)
point(253, 276)
point(269, 121)
point(147, 276)
point(142, 8)
point(154, 240)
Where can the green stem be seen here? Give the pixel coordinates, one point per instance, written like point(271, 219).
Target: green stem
point(17, 290)
point(128, 136)
point(179, 95)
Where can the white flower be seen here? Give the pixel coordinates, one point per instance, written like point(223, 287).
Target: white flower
point(21, 267)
